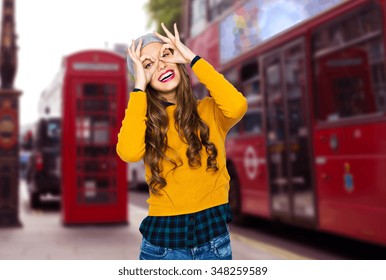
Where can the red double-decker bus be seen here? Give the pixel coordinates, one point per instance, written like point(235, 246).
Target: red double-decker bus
point(74, 154)
point(311, 150)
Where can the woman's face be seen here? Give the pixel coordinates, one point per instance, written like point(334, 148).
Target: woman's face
point(165, 75)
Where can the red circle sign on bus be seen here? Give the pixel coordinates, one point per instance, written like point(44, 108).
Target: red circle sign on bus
point(251, 162)
point(8, 128)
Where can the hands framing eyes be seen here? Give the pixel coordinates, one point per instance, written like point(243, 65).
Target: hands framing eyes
point(142, 77)
point(179, 53)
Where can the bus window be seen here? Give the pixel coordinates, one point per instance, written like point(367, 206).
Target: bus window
point(249, 71)
point(349, 29)
point(217, 7)
point(295, 88)
point(274, 94)
point(252, 122)
point(250, 80)
point(376, 51)
point(350, 74)
point(198, 16)
point(252, 90)
point(349, 99)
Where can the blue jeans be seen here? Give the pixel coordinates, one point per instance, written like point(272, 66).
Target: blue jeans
point(219, 248)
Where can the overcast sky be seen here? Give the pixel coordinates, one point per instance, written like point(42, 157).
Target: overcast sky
point(49, 29)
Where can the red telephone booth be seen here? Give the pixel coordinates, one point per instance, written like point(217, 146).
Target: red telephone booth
point(93, 178)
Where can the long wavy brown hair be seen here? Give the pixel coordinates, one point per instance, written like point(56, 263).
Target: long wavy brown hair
point(191, 129)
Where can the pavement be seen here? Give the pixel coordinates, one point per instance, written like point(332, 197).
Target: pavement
point(44, 237)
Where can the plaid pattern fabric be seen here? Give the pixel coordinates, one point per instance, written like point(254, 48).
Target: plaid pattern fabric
point(186, 231)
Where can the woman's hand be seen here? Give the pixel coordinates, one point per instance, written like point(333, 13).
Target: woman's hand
point(142, 77)
point(180, 52)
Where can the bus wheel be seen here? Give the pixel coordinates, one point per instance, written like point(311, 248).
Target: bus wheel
point(235, 197)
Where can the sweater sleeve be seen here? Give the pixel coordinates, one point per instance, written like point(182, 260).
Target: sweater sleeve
point(131, 137)
point(231, 104)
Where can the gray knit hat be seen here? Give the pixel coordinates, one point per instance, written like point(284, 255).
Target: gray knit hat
point(146, 39)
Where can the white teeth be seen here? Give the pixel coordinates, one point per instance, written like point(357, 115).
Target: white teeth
point(166, 75)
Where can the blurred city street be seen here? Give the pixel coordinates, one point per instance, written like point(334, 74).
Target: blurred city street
point(44, 237)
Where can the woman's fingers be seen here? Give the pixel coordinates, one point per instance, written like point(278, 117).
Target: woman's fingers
point(167, 32)
point(176, 33)
point(131, 55)
point(135, 51)
point(167, 53)
point(165, 47)
point(129, 52)
point(146, 57)
point(163, 38)
point(138, 49)
point(132, 47)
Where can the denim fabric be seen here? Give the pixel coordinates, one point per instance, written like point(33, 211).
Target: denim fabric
point(219, 248)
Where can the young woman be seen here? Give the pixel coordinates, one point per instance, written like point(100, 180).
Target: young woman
point(182, 143)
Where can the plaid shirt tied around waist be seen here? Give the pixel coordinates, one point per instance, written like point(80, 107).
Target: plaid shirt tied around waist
point(188, 230)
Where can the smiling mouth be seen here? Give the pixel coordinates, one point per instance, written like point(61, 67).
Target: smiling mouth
point(167, 76)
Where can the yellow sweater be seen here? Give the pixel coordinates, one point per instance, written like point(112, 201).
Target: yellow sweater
point(188, 190)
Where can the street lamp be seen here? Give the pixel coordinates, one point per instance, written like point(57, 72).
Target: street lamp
point(9, 121)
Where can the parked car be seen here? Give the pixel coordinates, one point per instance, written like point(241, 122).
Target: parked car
point(43, 169)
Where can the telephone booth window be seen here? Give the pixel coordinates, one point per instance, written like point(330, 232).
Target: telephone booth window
point(96, 168)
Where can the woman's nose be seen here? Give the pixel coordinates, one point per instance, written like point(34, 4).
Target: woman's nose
point(161, 64)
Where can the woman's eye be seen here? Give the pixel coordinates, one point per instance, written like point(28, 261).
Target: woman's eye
point(167, 53)
point(148, 65)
